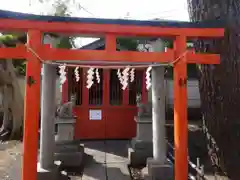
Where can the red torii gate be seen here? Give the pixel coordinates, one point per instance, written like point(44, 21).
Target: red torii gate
point(111, 29)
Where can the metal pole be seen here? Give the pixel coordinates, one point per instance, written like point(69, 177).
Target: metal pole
point(158, 109)
point(47, 140)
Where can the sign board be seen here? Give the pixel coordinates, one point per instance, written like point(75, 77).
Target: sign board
point(95, 114)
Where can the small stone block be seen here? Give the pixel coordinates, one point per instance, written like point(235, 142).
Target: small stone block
point(70, 159)
point(64, 176)
point(65, 132)
point(159, 171)
point(66, 142)
point(64, 148)
point(138, 157)
point(50, 174)
point(138, 144)
point(47, 174)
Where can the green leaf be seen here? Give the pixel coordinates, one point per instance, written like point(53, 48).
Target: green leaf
point(127, 43)
point(64, 43)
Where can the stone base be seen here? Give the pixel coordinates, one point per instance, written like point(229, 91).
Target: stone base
point(68, 147)
point(51, 174)
point(66, 142)
point(62, 141)
point(65, 129)
point(139, 153)
point(159, 171)
point(70, 155)
point(139, 144)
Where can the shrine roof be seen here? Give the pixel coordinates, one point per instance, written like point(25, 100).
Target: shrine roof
point(156, 23)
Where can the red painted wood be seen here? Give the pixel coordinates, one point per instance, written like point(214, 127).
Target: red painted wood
point(18, 52)
point(85, 100)
point(116, 123)
point(120, 123)
point(107, 55)
point(197, 58)
point(86, 128)
point(54, 54)
point(100, 29)
point(106, 87)
point(65, 92)
point(111, 43)
point(180, 112)
point(125, 97)
point(31, 110)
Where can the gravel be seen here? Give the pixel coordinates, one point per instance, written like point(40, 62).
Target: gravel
point(10, 160)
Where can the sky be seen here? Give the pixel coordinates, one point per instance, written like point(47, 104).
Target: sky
point(148, 9)
point(170, 9)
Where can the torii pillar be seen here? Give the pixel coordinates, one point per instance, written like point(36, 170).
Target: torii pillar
point(47, 169)
point(158, 108)
point(180, 109)
point(158, 167)
point(31, 109)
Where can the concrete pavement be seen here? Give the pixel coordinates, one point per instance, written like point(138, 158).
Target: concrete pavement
point(106, 160)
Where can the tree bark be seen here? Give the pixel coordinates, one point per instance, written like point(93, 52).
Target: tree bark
point(12, 101)
point(16, 104)
point(220, 84)
point(6, 122)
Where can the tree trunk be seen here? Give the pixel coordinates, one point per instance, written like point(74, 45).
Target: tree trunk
point(12, 102)
point(16, 104)
point(6, 122)
point(220, 84)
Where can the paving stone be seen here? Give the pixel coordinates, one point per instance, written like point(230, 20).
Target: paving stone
point(117, 151)
point(95, 149)
point(109, 159)
point(95, 171)
point(118, 171)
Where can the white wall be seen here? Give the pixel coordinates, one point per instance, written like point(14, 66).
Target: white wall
point(192, 92)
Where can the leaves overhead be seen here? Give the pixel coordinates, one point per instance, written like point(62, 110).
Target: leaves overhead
point(11, 39)
point(127, 43)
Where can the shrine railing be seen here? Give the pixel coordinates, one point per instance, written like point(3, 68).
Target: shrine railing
point(196, 171)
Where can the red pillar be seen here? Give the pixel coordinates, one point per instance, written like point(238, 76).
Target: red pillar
point(31, 109)
point(64, 92)
point(106, 87)
point(180, 110)
point(126, 96)
point(111, 43)
point(85, 90)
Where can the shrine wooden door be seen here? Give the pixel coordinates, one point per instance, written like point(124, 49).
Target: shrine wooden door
point(104, 111)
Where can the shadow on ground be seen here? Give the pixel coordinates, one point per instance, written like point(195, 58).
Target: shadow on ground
point(115, 147)
point(105, 160)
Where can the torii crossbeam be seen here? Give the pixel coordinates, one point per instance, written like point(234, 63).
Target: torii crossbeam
point(35, 26)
